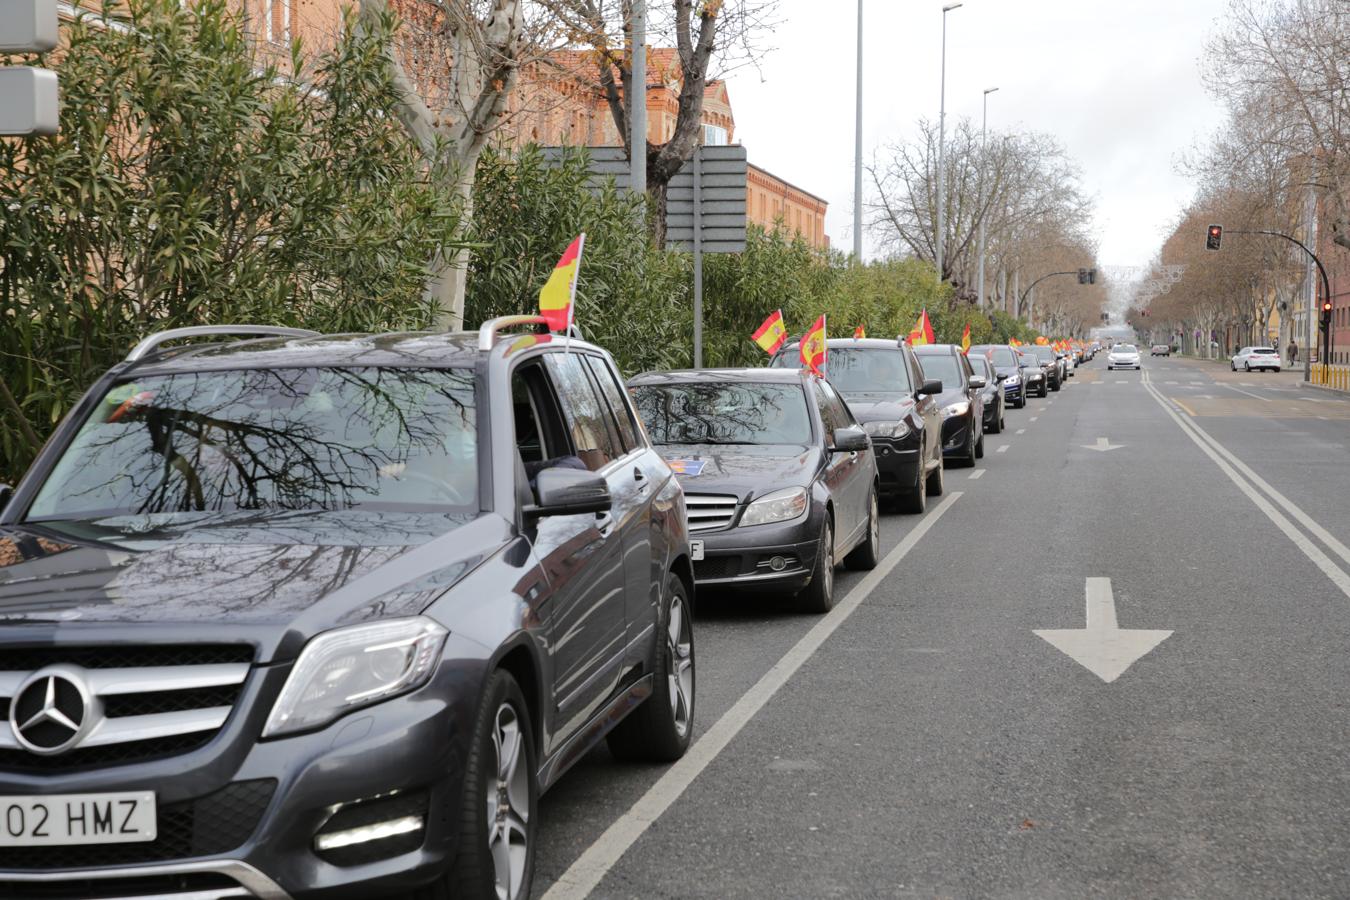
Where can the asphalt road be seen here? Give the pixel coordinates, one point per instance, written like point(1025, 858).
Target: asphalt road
point(924, 741)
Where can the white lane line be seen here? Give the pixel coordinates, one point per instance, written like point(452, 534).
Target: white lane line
point(1311, 399)
point(1197, 382)
point(589, 869)
point(978, 473)
point(1021, 431)
point(1217, 454)
point(1248, 393)
point(1003, 449)
point(1169, 382)
point(1033, 418)
point(1121, 381)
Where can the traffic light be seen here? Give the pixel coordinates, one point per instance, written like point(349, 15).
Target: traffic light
point(1087, 276)
point(29, 102)
point(1092, 276)
point(1214, 237)
point(1326, 316)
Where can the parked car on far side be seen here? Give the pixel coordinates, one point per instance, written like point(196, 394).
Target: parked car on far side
point(1258, 358)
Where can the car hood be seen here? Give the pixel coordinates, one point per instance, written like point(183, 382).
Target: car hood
point(872, 408)
point(1007, 371)
point(269, 579)
point(745, 470)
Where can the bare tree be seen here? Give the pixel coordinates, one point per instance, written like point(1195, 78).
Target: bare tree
point(710, 37)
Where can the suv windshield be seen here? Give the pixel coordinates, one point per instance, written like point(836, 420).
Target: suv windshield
point(1044, 354)
point(1002, 356)
point(271, 439)
point(870, 372)
point(942, 367)
point(724, 413)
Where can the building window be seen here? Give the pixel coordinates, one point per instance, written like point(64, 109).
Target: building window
point(714, 136)
point(277, 16)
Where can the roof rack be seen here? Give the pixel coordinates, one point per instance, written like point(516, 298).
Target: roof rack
point(487, 334)
point(142, 350)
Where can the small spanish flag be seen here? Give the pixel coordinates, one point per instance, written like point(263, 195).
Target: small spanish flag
point(559, 294)
point(1042, 341)
point(1014, 342)
point(813, 349)
point(771, 334)
point(965, 339)
point(859, 333)
point(923, 330)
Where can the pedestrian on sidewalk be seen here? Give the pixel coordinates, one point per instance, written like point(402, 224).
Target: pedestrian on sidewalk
point(1293, 352)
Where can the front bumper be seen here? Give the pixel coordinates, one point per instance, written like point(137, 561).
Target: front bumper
point(743, 558)
point(897, 463)
point(1012, 393)
point(244, 812)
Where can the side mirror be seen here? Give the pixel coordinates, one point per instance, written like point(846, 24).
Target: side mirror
point(850, 440)
point(930, 387)
point(569, 492)
point(978, 382)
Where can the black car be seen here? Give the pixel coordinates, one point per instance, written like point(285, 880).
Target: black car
point(1008, 369)
point(960, 401)
point(779, 479)
point(283, 617)
point(883, 385)
point(1050, 365)
point(1033, 375)
point(991, 395)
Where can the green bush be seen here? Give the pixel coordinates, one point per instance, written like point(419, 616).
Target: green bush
point(192, 183)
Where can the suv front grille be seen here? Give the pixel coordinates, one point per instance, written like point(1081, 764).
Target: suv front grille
point(216, 823)
point(156, 701)
point(708, 512)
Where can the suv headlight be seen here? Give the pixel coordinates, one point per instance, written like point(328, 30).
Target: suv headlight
point(1011, 379)
point(894, 430)
point(959, 408)
point(347, 668)
point(780, 506)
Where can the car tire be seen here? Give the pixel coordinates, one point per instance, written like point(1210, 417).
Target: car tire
point(996, 426)
point(865, 556)
point(818, 596)
point(979, 450)
point(1001, 423)
point(1247, 367)
point(935, 483)
point(661, 729)
point(503, 716)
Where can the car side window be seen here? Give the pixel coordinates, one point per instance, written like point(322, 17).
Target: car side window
point(615, 399)
point(838, 408)
point(829, 416)
point(539, 432)
point(593, 434)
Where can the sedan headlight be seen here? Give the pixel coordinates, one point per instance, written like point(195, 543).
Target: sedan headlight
point(347, 668)
point(1011, 379)
point(780, 506)
point(960, 408)
point(894, 430)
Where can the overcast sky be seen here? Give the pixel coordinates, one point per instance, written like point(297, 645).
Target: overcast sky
point(1116, 82)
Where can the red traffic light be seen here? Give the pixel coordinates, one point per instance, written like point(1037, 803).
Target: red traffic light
point(1214, 237)
point(1215, 230)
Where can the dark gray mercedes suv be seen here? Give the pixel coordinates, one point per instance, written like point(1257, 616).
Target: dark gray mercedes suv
point(306, 615)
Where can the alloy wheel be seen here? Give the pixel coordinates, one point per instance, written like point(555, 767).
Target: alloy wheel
point(679, 665)
point(508, 804)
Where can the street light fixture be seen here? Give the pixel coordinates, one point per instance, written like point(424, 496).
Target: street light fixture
point(942, 141)
point(984, 143)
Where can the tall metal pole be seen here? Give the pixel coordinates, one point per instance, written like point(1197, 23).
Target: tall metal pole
point(942, 143)
point(984, 161)
point(637, 115)
point(1310, 276)
point(857, 147)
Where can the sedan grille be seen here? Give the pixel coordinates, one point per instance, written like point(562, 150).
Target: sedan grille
point(708, 512)
point(143, 703)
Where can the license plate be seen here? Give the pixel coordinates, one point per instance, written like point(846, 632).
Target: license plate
point(77, 819)
point(696, 550)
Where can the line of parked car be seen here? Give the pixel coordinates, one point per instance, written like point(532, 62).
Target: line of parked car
point(287, 614)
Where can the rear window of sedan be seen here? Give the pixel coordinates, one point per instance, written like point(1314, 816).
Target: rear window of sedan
point(1269, 351)
point(724, 412)
point(866, 372)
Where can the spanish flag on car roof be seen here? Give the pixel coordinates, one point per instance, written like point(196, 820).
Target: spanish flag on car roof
point(771, 333)
point(813, 349)
point(560, 292)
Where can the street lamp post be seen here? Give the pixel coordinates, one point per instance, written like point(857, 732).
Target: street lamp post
point(637, 103)
point(984, 143)
point(942, 141)
point(857, 148)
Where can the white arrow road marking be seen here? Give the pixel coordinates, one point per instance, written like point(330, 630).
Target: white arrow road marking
point(1103, 647)
point(1102, 445)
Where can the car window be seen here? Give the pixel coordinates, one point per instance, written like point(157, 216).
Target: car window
point(1002, 356)
point(833, 409)
point(594, 438)
point(943, 367)
point(272, 439)
point(613, 395)
point(713, 412)
point(872, 372)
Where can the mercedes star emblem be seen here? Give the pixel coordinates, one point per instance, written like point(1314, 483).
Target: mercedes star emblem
point(52, 711)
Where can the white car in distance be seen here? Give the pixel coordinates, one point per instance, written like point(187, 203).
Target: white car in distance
point(1249, 358)
point(1123, 356)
